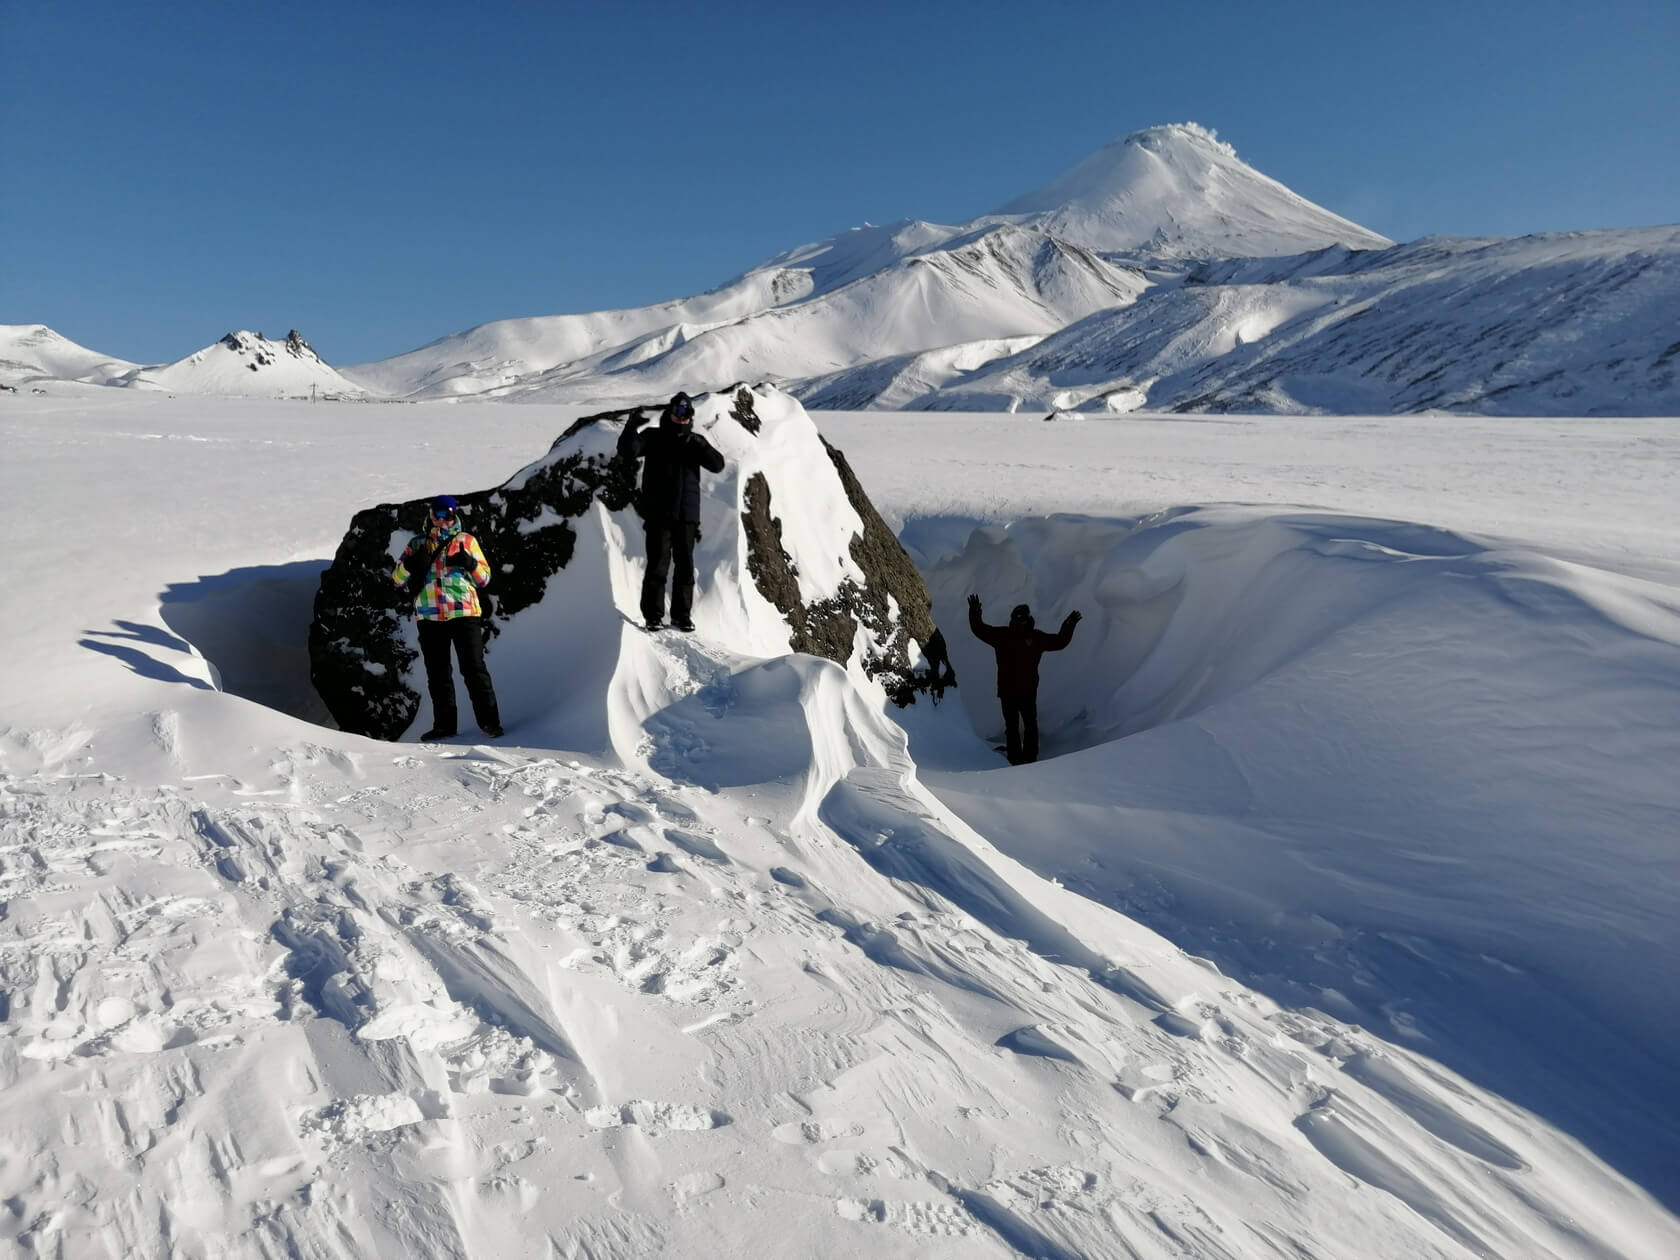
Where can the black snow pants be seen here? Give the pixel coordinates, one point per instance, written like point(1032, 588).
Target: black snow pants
point(670, 554)
point(1020, 727)
point(466, 634)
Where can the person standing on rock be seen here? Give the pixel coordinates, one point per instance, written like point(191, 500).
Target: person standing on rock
point(445, 570)
point(672, 456)
point(1018, 647)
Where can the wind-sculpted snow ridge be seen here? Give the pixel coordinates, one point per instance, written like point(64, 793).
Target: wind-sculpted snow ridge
point(1384, 770)
point(796, 557)
point(727, 978)
point(742, 985)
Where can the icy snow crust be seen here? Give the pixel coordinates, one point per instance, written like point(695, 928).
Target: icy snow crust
point(1339, 924)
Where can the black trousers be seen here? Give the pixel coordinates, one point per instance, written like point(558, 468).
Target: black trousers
point(466, 635)
point(670, 554)
point(1020, 727)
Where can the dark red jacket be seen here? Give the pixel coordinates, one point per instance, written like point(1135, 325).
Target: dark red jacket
point(1018, 649)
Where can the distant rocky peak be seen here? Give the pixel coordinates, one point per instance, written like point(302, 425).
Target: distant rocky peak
point(264, 352)
point(257, 346)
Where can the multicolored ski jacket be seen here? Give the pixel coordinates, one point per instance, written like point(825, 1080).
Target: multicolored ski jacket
point(449, 592)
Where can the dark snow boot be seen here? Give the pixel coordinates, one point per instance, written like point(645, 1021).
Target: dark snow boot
point(437, 732)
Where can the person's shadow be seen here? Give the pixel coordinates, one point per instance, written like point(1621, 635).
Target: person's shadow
point(116, 643)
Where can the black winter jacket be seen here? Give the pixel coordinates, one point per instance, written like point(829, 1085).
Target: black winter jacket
point(673, 456)
point(1018, 649)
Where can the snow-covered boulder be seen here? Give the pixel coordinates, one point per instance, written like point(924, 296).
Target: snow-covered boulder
point(792, 558)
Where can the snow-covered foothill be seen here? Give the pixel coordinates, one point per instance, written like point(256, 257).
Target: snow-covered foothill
point(34, 356)
point(249, 365)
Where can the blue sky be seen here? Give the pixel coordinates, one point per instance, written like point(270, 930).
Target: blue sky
point(378, 175)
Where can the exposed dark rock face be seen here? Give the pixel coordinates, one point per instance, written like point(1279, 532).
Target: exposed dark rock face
point(828, 627)
point(258, 349)
point(370, 679)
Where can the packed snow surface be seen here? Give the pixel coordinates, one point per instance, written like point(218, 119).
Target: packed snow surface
point(1338, 919)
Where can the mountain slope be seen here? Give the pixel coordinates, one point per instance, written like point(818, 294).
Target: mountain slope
point(32, 352)
point(1570, 324)
point(853, 299)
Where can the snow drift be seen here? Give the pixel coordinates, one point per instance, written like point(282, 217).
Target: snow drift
point(1313, 745)
point(743, 981)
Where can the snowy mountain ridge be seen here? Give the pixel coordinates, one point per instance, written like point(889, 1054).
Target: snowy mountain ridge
point(1151, 270)
point(241, 364)
point(1572, 324)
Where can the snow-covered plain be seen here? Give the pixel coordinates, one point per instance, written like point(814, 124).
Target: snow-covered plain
point(1339, 921)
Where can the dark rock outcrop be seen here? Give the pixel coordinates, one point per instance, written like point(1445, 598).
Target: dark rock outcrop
point(366, 670)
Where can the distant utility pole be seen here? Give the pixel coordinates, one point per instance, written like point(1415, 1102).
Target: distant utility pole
point(311, 393)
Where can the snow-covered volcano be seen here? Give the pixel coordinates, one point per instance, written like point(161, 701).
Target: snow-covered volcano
point(1180, 190)
point(969, 291)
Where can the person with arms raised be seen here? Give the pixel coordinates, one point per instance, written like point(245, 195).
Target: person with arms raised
point(1018, 647)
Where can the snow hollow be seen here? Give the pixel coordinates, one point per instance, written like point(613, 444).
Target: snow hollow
point(1337, 919)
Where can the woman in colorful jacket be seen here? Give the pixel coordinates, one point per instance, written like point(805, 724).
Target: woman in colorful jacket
point(445, 568)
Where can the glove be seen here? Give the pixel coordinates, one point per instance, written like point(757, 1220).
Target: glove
point(974, 603)
point(1075, 617)
point(461, 558)
point(636, 421)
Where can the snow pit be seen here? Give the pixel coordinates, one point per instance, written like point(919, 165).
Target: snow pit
point(252, 626)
